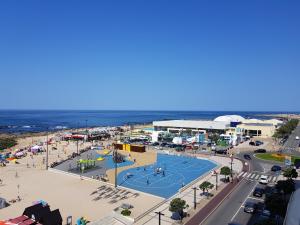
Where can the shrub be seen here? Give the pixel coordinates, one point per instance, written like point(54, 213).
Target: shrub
point(7, 142)
point(126, 212)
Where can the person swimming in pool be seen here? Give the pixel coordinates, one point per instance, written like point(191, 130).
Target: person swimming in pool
point(148, 181)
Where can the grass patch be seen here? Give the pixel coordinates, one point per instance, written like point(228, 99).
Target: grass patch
point(275, 157)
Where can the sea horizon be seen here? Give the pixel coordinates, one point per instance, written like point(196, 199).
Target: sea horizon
point(26, 121)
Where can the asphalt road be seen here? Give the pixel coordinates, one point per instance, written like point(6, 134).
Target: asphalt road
point(232, 208)
point(291, 145)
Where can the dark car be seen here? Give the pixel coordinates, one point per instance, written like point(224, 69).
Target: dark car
point(258, 192)
point(163, 144)
point(248, 157)
point(276, 168)
point(260, 150)
point(221, 151)
point(258, 143)
point(252, 143)
point(249, 207)
point(155, 144)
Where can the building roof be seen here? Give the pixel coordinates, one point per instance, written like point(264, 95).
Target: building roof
point(192, 124)
point(257, 124)
point(229, 118)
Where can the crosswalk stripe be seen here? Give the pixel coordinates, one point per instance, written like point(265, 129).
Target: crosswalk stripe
point(249, 175)
point(241, 174)
point(245, 174)
point(253, 175)
point(257, 176)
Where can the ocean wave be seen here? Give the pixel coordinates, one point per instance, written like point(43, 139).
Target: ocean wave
point(60, 127)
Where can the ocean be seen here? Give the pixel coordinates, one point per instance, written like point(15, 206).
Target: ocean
point(23, 121)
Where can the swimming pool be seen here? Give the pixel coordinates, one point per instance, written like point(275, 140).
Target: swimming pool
point(179, 171)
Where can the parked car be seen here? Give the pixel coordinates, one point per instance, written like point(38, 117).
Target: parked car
point(164, 144)
point(265, 214)
point(221, 151)
point(258, 192)
point(155, 144)
point(297, 137)
point(249, 207)
point(248, 157)
point(252, 143)
point(276, 168)
point(258, 143)
point(263, 179)
point(260, 150)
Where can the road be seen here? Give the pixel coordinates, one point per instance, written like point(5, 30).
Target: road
point(232, 208)
point(291, 145)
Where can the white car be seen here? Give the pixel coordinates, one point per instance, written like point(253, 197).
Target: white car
point(297, 137)
point(263, 179)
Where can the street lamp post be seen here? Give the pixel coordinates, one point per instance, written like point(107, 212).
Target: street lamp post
point(159, 217)
point(216, 174)
point(116, 165)
point(195, 194)
point(47, 152)
point(231, 162)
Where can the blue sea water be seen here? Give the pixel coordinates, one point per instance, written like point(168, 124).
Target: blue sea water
point(20, 121)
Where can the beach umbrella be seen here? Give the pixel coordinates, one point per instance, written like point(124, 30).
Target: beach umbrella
point(100, 159)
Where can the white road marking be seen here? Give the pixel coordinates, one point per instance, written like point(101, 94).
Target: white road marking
point(257, 176)
point(242, 205)
point(249, 175)
point(253, 175)
point(245, 174)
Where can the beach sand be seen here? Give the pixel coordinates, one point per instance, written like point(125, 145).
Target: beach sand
point(72, 195)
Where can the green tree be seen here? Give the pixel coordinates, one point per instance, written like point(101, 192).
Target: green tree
point(225, 170)
point(276, 204)
point(206, 186)
point(286, 186)
point(290, 173)
point(177, 205)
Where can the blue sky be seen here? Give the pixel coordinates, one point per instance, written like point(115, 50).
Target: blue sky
point(156, 55)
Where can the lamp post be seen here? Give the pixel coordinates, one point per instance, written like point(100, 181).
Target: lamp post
point(195, 194)
point(216, 174)
point(231, 162)
point(86, 131)
point(159, 216)
point(47, 152)
point(115, 154)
